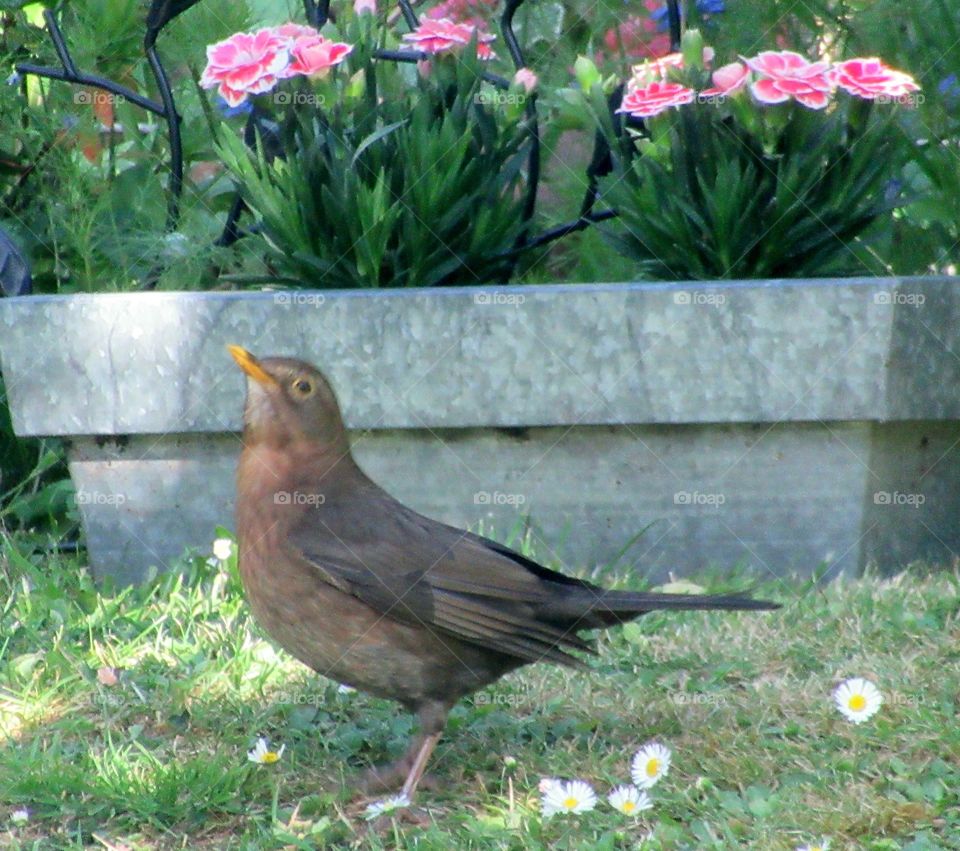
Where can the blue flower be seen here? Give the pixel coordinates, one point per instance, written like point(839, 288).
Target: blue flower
point(228, 111)
point(662, 18)
point(892, 190)
point(949, 86)
point(704, 7)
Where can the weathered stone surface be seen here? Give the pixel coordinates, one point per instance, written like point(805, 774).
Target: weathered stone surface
point(744, 423)
point(155, 363)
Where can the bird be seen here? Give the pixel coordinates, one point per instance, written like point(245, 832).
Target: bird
point(367, 591)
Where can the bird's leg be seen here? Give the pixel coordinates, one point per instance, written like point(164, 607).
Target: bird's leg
point(409, 769)
point(427, 744)
point(433, 718)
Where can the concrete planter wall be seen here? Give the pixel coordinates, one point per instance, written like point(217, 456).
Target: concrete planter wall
point(785, 425)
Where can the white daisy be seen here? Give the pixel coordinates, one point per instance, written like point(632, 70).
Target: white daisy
point(629, 800)
point(21, 816)
point(345, 689)
point(387, 805)
point(857, 699)
point(573, 796)
point(822, 845)
point(262, 754)
point(222, 549)
point(650, 763)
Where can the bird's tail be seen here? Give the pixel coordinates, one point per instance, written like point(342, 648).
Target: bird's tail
point(607, 608)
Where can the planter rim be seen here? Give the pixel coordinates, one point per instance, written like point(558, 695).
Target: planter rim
point(459, 291)
point(818, 350)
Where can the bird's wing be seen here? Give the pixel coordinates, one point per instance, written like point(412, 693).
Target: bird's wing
point(422, 572)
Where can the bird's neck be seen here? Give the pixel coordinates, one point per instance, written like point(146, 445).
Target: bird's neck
point(273, 474)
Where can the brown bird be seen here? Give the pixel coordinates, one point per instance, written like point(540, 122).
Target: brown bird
point(369, 592)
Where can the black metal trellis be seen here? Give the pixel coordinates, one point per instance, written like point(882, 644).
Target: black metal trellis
point(161, 12)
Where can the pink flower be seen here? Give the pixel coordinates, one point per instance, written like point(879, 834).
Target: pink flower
point(636, 34)
point(365, 7)
point(443, 35)
point(870, 78)
point(727, 80)
point(785, 74)
point(526, 79)
point(657, 69)
point(474, 12)
point(292, 31)
point(245, 64)
point(311, 55)
point(485, 52)
point(654, 98)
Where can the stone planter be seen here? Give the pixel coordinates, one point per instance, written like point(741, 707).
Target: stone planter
point(789, 426)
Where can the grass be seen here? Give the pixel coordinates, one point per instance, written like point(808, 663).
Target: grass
point(761, 759)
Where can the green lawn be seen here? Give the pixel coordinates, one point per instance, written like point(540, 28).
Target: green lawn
point(761, 759)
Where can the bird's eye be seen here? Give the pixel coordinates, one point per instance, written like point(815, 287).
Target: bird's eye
point(303, 387)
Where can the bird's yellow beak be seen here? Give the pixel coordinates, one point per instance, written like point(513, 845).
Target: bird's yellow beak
point(249, 364)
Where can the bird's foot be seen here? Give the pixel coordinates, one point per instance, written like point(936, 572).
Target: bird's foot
point(408, 815)
point(391, 777)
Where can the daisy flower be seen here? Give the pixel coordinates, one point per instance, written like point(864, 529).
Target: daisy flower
point(387, 805)
point(650, 763)
point(222, 549)
point(857, 699)
point(629, 800)
point(345, 689)
point(546, 783)
point(262, 754)
point(822, 845)
point(574, 796)
point(21, 816)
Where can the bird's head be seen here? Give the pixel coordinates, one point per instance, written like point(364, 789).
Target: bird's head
point(288, 401)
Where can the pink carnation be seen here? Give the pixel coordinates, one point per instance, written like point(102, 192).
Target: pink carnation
point(245, 64)
point(526, 79)
point(473, 12)
point(784, 74)
point(657, 69)
point(311, 55)
point(636, 36)
point(292, 31)
point(443, 35)
point(654, 98)
point(727, 80)
point(870, 78)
